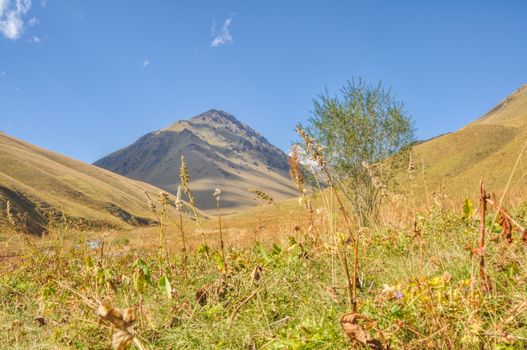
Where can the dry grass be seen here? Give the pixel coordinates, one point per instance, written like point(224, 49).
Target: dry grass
point(282, 289)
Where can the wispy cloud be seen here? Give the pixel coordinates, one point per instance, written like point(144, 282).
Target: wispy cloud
point(34, 40)
point(77, 14)
point(33, 21)
point(146, 63)
point(12, 14)
point(223, 36)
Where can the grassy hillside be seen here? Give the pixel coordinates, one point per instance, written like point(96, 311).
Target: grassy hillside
point(40, 185)
point(488, 149)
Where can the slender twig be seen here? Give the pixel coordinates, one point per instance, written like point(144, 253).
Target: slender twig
point(482, 212)
point(217, 195)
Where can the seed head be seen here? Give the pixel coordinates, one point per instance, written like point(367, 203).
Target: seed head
point(295, 171)
point(179, 202)
point(262, 195)
point(163, 198)
point(185, 177)
point(217, 194)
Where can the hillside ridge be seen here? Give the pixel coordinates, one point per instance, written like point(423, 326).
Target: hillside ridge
point(43, 186)
point(486, 149)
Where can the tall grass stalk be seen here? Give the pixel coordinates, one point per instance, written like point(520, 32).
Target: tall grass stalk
point(185, 183)
point(315, 150)
point(295, 171)
point(217, 196)
point(160, 217)
point(179, 208)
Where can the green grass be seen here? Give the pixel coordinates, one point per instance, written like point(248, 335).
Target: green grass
point(422, 293)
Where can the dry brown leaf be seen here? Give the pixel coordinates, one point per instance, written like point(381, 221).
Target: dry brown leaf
point(356, 333)
point(256, 274)
point(122, 323)
point(201, 296)
point(40, 320)
point(506, 228)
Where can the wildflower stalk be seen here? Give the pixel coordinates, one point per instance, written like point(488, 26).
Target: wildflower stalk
point(217, 195)
point(185, 182)
point(160, 216)
point(295, 172)
point(315, 151)
point(179, 207)
point(481, 250)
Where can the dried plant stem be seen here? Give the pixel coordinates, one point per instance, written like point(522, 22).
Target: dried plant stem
point(351, 281)
point(160, 216)
point(163, 239)
point(222, 244)
point(483, 208)
point(185, 182)
point(295, 171)
point(184, 245)
point(315, 151)
point(509, 217)
point(350, 285)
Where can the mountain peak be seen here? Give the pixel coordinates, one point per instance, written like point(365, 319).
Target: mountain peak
point(221, 152)
point(215, 116)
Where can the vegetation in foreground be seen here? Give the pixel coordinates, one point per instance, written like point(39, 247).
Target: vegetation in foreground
point(418, 287)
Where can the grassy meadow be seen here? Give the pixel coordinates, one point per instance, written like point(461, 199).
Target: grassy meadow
point(279, 284)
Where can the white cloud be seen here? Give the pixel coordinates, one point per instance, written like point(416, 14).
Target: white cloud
point(12, 14)
point(146, 62)
point(34, 40)
point(77, 14)
point(223, 36)
point(33, 21)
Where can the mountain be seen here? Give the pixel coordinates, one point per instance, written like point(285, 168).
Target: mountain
point(40, 185)
point(486, 149)
point(220, 152)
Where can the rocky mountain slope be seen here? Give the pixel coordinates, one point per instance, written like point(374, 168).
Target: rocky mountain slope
point(220, 151)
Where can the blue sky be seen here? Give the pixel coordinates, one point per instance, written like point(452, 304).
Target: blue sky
point(85, 78)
